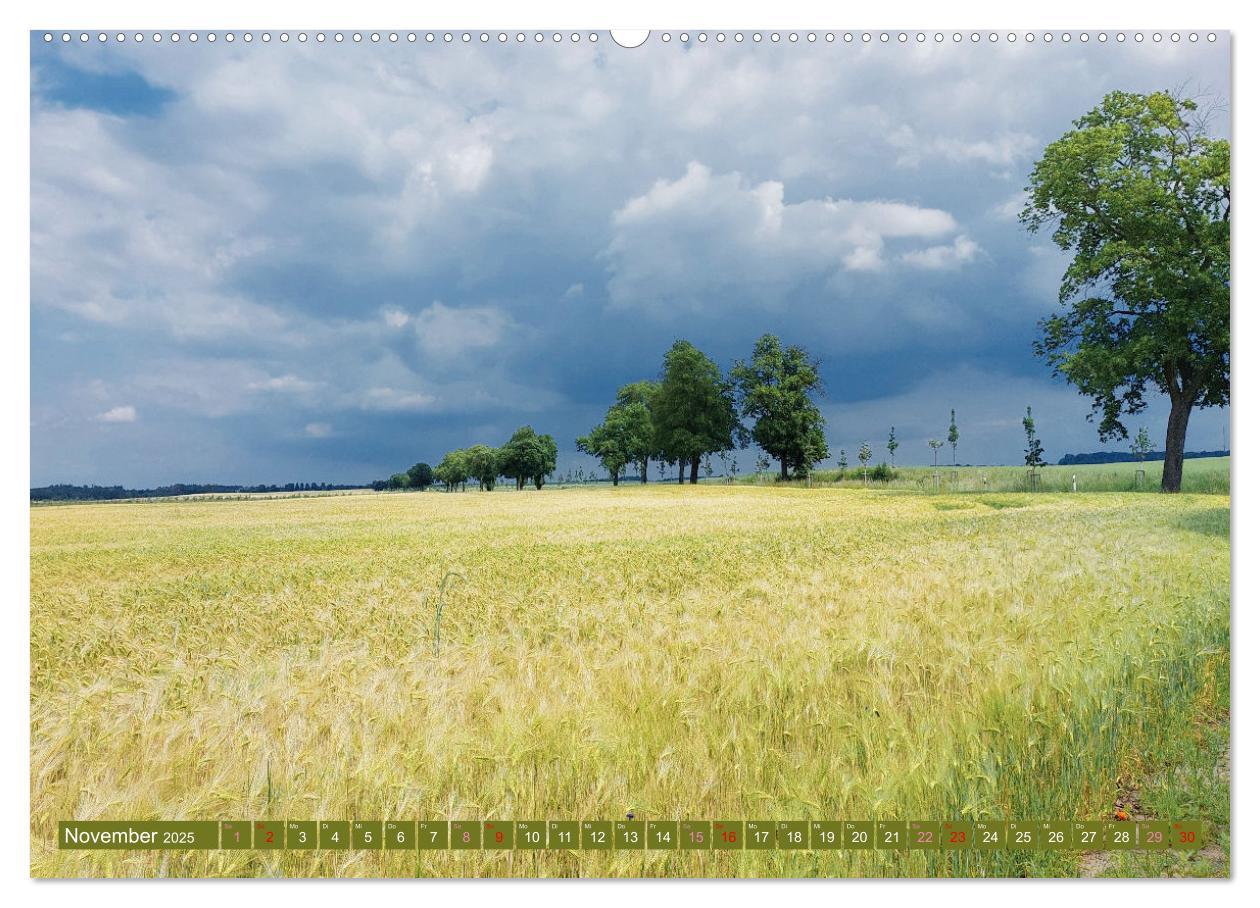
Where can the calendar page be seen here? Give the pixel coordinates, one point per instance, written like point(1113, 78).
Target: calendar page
point(706, 453)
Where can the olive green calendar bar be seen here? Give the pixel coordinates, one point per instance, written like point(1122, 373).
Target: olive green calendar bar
point(632, 835)
point(146, 836)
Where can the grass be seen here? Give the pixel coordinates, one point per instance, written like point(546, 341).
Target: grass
point(1204, 475)
point(704, 652)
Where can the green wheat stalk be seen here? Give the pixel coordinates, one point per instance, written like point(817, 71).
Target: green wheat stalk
point(437, 616)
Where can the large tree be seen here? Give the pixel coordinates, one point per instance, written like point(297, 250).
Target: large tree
point(484, 465)
point(774, 391)
point(528, 457)
point(453, 470)
point(607, 442)
point(1138, 191)
point(626, 435)
point(693, 411)
point(421, 476)
point(636, 400)
point(548, 452)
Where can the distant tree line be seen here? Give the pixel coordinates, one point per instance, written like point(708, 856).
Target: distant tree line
point(65, 492)
point(419, 476)
point(1068, 460)
point(527, 458)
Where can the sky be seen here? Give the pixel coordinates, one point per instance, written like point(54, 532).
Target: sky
point(274, 263)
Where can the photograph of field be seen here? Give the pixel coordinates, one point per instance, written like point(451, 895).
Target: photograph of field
point(547, 427)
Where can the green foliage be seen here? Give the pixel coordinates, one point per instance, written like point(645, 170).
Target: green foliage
point(1204, 476)
point(484, 466)
point(453, 470)
point(864, 455)
point(635, 400)
point(546, 463)
point(627, 434)
point(935, 444)
point(883, 473)
point(774, 391)
point(1139, 192)
point(420, 476)
point(399, 481)
point(607, 442)
point(893, 444)
point(953, 436)
point(1034, 453)
point(1142, 445)
point(528, 457)
point(693, 411)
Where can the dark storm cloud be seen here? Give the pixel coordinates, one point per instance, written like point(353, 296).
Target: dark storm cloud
point(322, 263)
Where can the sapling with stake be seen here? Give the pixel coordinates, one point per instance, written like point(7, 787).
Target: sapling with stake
point(1033, 452)
point(953, 436)
point(1141, 448)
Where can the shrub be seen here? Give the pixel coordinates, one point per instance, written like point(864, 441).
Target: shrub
point(883, 473)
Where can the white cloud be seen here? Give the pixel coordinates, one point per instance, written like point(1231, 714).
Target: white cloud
point(1002, 150)
point(395, 318)
point(391, 399)
point(118, 414)
point(116, 238)
point(943, 258)
point(446, 332)
point(318, 430)
point(284, 383)
point(431, 182)
point(687, 240)
point(1009, 208)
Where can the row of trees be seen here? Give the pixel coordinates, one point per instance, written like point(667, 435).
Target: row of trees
point(420, 476)
point(693, 411)
point(690, 414)
point(527, 457)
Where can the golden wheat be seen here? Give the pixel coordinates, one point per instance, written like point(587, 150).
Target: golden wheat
point(693, 653)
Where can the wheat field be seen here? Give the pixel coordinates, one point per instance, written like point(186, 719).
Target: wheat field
point(704, 652)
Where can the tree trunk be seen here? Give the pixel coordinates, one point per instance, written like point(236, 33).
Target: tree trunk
point(681, 467)
point(616, 475)
point(1175, 441)
point(783, 473)
point(695, 470)
point(643, 472)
